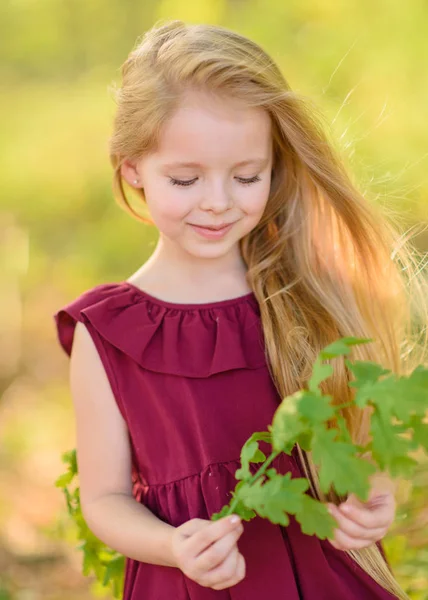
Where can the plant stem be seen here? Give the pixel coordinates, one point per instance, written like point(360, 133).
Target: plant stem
point(256, 476)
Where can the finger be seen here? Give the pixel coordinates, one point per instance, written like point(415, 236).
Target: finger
point(375, 499)
point(353, 529)
point(370, 517)
point(237, 577)
point(341, 541)
point(215, 554)
point(223, 572)
point(228, 582)
point(189, 528)
point(213, 531)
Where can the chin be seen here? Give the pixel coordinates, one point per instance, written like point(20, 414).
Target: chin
point(215, 250)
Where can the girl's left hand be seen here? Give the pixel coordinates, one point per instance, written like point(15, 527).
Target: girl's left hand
point(360, 524)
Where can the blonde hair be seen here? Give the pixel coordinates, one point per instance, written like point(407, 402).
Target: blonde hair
point(322, 262)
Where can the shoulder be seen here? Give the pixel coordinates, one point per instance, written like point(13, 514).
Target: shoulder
point(92, 377)
point(87, 371)
point(84, 350)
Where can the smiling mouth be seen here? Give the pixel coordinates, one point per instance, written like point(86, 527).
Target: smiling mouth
point(211, 227)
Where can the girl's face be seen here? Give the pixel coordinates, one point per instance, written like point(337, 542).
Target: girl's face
point(212, 168)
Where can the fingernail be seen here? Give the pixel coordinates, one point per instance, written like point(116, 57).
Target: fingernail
point(234, 519)
point(346, 508)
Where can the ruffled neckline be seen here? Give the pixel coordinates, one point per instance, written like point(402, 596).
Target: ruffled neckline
point(190, 340)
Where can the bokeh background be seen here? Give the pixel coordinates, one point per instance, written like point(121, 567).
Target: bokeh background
point(363, 62)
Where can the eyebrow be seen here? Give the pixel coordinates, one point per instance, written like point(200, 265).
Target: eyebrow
point(255, 161)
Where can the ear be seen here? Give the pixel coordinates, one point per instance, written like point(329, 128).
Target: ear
point(129, 172)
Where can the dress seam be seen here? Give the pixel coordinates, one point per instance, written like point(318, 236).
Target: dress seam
point(220, 462)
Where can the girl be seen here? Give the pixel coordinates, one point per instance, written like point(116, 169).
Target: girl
point(266, 253)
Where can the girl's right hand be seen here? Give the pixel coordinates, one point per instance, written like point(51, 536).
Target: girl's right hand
point(207, 552)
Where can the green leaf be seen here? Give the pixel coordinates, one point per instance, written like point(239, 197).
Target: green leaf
point(320, 372)
point(342, 346)
point(339, 465)
point(287, 423)
point(276, 497)
point(91, 561)
point(240, 509)
point(305, 440)
point(64, 479)
point(388, 447)
point(114, 569)
point(315, 408)
point(315, 519)
point(420, 431)
point(224, 512)
point(402, 465)
point(365, 372)
point(251, 453)
point(70, 458)
point(270, 473)
point(343, 434)
point(411, 394)
point(394, 396)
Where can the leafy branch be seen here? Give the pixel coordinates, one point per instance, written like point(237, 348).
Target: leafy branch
point(107, 565)
point(399, 406)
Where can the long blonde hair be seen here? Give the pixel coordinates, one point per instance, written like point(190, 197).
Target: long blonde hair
point(322, 262)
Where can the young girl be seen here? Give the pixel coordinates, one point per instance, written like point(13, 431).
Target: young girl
point(266, 253)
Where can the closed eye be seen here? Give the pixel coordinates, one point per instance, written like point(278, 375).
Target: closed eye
point(191, 181)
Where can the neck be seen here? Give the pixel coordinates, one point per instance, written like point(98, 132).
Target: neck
point(170, 269)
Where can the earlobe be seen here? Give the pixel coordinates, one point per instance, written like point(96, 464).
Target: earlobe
point(130, 173)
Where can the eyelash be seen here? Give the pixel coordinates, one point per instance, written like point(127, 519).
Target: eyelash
point(189, 183)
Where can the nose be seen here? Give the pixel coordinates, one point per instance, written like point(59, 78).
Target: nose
point(216, 198)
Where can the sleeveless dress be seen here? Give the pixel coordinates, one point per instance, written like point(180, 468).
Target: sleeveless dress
point(192, 383)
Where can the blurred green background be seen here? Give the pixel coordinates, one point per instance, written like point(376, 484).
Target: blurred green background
point(362, 62)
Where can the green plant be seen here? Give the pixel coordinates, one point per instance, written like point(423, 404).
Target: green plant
point(107, 565)
point(399, 405)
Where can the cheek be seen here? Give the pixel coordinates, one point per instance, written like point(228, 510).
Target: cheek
point(166, 202)
point(169, 209)
point(254, 205)
point(173, 210)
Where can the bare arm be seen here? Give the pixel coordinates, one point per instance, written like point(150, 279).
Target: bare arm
point(131, 529)
point(104, 461)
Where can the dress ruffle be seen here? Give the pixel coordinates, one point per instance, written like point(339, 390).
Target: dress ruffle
point(205, 492)
point(166, 338)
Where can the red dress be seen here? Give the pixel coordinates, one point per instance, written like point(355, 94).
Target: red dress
point(192, 383)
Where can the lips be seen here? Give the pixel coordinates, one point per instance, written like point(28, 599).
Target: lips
point(212, 233)
point(213, 228)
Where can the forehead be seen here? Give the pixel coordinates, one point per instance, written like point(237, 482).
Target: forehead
point(206, 129)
